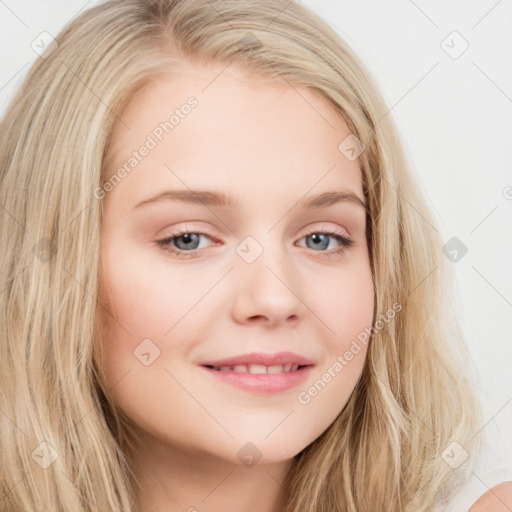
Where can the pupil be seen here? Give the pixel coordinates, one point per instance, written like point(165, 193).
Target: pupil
point(188, 238)
point(317, 239)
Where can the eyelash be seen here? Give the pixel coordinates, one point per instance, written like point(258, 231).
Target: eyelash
point(164, 244)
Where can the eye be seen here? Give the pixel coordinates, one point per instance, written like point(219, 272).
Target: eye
point(320, 240)
point(184, 244)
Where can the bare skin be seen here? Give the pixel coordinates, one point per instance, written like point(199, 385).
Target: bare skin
point(270, 146)
point(497, 499)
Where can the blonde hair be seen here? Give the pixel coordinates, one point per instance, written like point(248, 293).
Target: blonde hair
point(385, 449)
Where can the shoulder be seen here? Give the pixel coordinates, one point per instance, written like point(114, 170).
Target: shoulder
point(497, 499)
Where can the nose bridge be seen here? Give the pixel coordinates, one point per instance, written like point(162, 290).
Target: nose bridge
point(262, 251)
point(268, 283)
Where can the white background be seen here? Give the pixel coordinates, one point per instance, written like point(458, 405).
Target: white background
point(455, 118)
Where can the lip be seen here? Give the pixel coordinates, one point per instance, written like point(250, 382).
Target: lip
point(262, 382)
point(280, 358)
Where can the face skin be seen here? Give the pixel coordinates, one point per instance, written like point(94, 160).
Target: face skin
point(269, 146)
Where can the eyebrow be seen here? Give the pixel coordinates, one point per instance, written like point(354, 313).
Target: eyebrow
point(221, 199)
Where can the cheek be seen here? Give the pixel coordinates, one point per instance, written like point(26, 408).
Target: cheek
point(145, 295)
point(345, 303)
point(346, 312)
point(136, 305)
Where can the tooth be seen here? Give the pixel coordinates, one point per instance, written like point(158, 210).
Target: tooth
point(257, 368)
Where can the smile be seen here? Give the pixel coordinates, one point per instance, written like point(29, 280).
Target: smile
point(257, 368)
point(259, 378)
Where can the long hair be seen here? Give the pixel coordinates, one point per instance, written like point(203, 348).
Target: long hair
point(64, 445)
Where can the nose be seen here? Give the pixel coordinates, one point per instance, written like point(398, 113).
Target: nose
point(268, 290)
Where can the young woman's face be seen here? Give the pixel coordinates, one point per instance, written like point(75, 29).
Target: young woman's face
point(260, 275)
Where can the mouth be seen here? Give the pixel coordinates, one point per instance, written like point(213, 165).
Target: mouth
point(260, 379)
point(257, 369)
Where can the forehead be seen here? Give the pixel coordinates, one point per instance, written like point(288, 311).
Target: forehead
point(242, 132)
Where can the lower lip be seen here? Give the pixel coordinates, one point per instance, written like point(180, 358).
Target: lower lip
point(263, 382)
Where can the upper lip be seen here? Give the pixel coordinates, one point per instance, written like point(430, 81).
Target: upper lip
point(278, 359)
